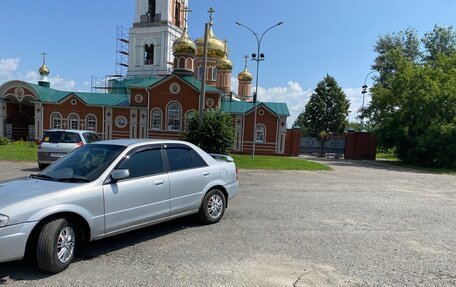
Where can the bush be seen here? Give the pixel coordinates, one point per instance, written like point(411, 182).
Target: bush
point(5, 141)
point(215, 135)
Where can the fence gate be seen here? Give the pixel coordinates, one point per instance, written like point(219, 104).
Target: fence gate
point(334, 145)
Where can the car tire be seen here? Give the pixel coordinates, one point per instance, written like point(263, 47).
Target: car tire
point(213, 207)
point(56, 245)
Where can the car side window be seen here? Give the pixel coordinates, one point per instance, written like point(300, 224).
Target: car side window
point(197, 160)
point(179, 159)
point(143, 163)
point(90, 137)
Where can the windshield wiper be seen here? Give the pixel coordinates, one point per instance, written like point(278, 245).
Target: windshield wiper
point(75, 178)
point(42, 176)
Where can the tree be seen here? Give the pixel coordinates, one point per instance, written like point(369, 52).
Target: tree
point(442, 40)
point(215, 134)
point(327, 109)
point(413, 108)
point(393, 47)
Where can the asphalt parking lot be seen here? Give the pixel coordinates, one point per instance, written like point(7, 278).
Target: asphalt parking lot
point(362, 224)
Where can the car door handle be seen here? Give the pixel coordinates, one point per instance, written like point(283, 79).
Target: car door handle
point(206, 173)
point(159, 182)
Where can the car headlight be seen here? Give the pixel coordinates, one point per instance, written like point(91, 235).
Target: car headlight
point(3, 220)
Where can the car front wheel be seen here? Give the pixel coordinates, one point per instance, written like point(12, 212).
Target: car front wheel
point(213, 207)
point(56, 245)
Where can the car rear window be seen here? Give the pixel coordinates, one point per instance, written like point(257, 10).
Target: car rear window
point(61, 137)
point(91, 137)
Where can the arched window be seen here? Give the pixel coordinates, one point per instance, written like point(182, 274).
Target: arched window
point(149, 54)
point(174, 117)
point(188, 116)
point(209, 73)
point(156, 116)
point(177, 13)
point(260, 133)
point(73, 120)
point(189, 64)
point(200, 73)
point(56, 121)
point(214, 74)
point(152, 10)
point(91, 123)
point(181, 62)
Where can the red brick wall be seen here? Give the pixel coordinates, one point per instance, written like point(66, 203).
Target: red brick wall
point(360, 145)
point(65, 108)
point(293, 142)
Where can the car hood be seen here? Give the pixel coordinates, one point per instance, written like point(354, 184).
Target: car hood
point(26, 189)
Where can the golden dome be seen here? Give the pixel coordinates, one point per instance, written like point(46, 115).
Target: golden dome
point(224, 64)
point(245, 76)
point(184, 44)
point(215, 46)
point(44, 71)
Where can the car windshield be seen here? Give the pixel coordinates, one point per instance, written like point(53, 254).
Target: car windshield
point(61, 137)
point(84, 164)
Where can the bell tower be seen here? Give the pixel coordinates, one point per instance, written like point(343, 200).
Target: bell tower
point(157, 24)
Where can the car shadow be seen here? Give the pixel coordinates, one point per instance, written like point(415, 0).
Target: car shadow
point(31, 169)
point(27, 270)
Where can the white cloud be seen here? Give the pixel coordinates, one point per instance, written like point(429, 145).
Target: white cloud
point(9, 65)
point(9, 71)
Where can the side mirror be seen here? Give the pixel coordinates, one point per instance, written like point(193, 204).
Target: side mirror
point(119, 174)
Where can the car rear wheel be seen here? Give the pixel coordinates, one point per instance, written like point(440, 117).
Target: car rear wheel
point(56, 245)
point(213, 207)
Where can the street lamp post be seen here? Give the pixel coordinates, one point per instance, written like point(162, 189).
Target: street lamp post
point(364, 92)
point(258, 57)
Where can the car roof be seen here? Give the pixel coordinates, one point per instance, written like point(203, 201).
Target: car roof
point(129, 142)
point(71, 131)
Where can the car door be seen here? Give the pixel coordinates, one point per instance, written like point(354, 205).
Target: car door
point(189, 175)
point(143, 196)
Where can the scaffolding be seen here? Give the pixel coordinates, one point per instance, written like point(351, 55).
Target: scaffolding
point(104, 84)
point(122, 43)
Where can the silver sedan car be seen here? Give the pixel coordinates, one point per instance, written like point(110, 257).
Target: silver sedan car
point(106, 188)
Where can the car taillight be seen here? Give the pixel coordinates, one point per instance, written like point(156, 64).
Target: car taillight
point(39, 144)
point(79, 144)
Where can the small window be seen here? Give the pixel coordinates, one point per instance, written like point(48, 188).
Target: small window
point(91, 123)
point(149, 54)
point(56, 121)
point(174, 117)
point(197, 160)
point(156, 119)
point(143, 163)
point(179, 159)
point(74, 122)
point(260, 133)
point(90, 137)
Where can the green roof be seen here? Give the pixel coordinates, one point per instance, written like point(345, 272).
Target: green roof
point(144, 82)
point(192, 81)
point(135, 82)
point(48, 95)
point(236, 107)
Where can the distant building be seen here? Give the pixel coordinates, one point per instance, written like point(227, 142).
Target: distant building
point(160, 90)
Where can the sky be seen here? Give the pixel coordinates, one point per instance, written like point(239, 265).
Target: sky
point(318, 37)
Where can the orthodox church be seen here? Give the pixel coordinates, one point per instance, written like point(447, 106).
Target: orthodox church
point(161, 89)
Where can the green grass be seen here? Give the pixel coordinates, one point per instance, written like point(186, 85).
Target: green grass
point(387, 156)
point(276, 163)
point(18, 151)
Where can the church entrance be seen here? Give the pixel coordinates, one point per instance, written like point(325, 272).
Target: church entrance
point(20, 118)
